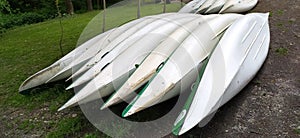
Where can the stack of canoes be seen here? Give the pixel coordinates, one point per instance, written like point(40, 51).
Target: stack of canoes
point(218, 6)
point(216, 55)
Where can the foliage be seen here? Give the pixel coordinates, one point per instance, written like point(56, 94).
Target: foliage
point(4, 6)
point(38, 6)
point(21, 12)
point(47, 7)
point(11, 20)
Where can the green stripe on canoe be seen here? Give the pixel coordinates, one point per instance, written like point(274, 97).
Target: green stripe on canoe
point(178, 125)
point(143, 90)
point(180, 120)
point(136, 66)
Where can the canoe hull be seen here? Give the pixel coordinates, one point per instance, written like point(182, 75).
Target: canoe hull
point(233, 6)
point(117, 72)
point(44, 75)
point(156, 59)
point(183, 61)
point(231, 67)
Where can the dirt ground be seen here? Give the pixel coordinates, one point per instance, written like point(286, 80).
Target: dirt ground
point(268, 107)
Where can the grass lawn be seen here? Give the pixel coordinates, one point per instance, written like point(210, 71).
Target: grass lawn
point(28, 49)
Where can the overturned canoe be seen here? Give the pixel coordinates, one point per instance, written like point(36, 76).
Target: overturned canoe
point(42, 76)
point(125, 36)
point(232, 6)
point(96, 69)
point(230, 68)
point(117, 72)
point(205, 6)
point(191, 7)
point(156, 59)
point(215, 7)
point(180, 71)
point(91, 52)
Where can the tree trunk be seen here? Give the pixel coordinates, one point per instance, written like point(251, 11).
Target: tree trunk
point(70, 8)
point(104, 15)
point(98, 4)
point(139, 9)
point(89, 5)
point(165, 6)
point(181, 3)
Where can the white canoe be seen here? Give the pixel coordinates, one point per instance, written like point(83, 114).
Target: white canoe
point(91, 52)
point(191, 7)
point(197, 6)
point(235, 61)
point(125, 37)
point(96, 69)
point(42, 76)
point(216, 7)
point(205, 6)
point(181, 70)
point(238, 6)
point(120, 40)
point(156, 58)
point(118, 71)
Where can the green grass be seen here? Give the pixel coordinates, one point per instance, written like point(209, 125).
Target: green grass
point(66, 127)
point(28, 125)
point(280, 12)
point(257, 81)
point(90, 135)
point(279, 24)
point(95, 134)
point(291, 21)
point(28, 49)
point(282, 51)
point(297, 130)
point(115, 17)
point(270, 13)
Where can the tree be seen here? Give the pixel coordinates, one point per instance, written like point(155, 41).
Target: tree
point(98, 4)
point(61, 27)
point(89, 4)
point(4, 6)
point(181, 3)
point(139, 9)
point(165, 7)
point(104, 15)
point(70, 8)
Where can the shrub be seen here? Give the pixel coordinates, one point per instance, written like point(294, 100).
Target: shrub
point(11, 20)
